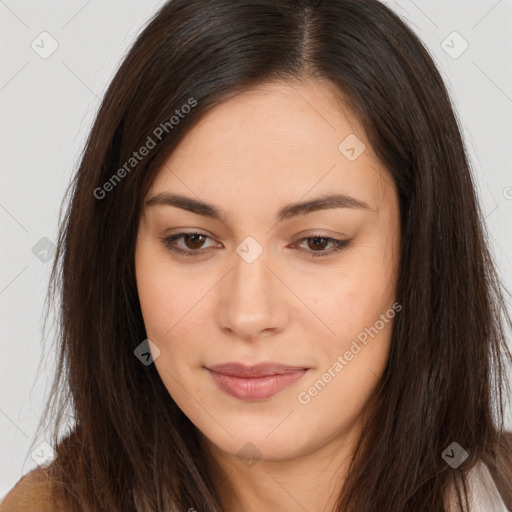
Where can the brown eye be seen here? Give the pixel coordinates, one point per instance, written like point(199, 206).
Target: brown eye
point(316, 245)
point(196, 241)
point(192, 243)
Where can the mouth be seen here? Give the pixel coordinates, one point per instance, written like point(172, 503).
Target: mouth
point(258, 382)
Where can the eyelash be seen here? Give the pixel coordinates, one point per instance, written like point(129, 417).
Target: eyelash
point(338, 245)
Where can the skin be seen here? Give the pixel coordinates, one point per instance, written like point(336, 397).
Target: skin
point(256, 152)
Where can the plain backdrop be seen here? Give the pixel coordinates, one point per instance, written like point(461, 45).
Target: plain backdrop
point(57, 58)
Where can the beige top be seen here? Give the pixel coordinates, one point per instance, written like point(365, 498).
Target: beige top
point(483, 494)
point(31, 494)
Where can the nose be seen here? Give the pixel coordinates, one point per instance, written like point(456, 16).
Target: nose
point(252, 300)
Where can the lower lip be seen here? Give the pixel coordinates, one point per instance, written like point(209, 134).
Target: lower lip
point(256, 388)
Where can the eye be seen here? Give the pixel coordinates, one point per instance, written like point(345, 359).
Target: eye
point(195, 241)
point(318, 243)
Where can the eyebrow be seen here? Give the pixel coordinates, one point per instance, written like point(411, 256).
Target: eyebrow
point(324, 202)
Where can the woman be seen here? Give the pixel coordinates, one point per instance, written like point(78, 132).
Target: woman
point(276, 291)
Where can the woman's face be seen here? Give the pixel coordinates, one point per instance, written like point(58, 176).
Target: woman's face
point(262, 279)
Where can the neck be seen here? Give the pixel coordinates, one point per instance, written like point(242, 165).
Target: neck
point(308, 480)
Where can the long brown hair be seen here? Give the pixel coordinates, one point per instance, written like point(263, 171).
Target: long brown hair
point(445, 378)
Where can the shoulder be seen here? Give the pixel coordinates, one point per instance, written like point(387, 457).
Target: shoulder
point(30, 494)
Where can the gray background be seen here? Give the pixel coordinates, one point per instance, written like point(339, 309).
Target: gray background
point(47, 104)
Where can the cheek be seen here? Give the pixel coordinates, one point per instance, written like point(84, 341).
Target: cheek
point(154, 303)
point(350, 364)
point(173, 312)
point(352, 297)
point(155, 289)
point(164, 294)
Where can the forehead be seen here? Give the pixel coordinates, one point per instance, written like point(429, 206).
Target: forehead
point(274, 143)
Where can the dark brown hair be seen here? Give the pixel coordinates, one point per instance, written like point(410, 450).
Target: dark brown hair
point(444, 381)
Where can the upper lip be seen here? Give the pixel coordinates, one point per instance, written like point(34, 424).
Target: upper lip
point(258, 370)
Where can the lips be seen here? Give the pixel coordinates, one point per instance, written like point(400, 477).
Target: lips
point(259, 370)
point(256, 382)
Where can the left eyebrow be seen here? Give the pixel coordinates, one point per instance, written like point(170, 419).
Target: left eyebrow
point(286, 212)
